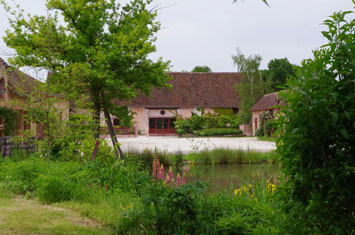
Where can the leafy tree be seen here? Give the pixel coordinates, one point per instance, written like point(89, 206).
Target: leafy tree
point(317, 144)
point(202, 69)
point(278, 71)
point(252, 86)
point(99, 48)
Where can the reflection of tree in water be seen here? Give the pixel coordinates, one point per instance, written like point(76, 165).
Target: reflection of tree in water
point(221, 177)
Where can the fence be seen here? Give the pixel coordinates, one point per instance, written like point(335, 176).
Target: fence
point(7, 147)
point(119, 131)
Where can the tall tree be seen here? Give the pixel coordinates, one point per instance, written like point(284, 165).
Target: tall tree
point(202, 69)
point(252, 87)
point(99, 48)
point(278, 72)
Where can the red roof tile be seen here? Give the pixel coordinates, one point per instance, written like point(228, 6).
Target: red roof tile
point(267, 102)
point(208, 90)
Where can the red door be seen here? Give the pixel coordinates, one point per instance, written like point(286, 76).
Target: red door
point(162, 126)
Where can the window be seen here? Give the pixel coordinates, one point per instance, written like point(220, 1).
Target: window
point(116, 122)
point(151, 123)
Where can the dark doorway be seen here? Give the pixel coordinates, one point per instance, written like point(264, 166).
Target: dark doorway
point(162, 126)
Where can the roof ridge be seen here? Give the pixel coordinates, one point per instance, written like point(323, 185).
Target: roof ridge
point(2, 61)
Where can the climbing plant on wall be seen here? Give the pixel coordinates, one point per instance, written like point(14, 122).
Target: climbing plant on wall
point(10, 117)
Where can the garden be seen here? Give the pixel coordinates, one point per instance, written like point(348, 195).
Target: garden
point(76, 178)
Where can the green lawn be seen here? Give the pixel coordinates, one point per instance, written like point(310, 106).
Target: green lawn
point(21, 216)
point(266, 138)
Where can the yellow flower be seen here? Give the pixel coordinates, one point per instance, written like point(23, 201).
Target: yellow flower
point(238, 191)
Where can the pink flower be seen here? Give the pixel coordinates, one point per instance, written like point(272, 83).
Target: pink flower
point(178, 180)
point(170, 173)
point(162, 173)
point(156, 167)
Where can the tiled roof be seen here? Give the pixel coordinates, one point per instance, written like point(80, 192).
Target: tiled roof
point(209, 90)
point(267, 102)
point(18, 81)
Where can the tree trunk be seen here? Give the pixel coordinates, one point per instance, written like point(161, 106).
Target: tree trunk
point(97, 111)
point(111, 130)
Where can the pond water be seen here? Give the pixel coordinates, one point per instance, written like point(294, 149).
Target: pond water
point(221, 177)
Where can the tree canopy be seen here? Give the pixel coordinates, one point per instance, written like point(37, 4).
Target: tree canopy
point(99, 49)
point(252, 86)
point(202, 69)
point(278, 71)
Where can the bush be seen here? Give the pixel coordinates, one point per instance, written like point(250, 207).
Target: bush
point(19, 177)
point(196, 122)
point(317, 145)
point(218, 132)
point(53, 188)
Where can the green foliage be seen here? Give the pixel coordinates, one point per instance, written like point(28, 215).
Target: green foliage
point(230, 156)
point(252, 86)
point(201, 69)
point(218, 132)
point(267, 124)
point(99, 49)
point(207, 121)
point(10, 117)
point(278, 71)
point(318, 134)
point(53, 188)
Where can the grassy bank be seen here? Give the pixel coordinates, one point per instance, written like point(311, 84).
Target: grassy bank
point(230, 156)
point(205, 157)
point(21, 216)
point(123, 200)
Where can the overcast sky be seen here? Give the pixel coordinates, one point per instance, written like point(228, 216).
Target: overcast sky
point(207, 32)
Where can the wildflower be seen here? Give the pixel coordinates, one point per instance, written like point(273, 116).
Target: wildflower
point(162, 173)
point(237, 191)
point(183, 179)
point(156, 167)
point(170, 174)
point(178, 180)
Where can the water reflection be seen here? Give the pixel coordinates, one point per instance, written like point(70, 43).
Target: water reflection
point(229, 176)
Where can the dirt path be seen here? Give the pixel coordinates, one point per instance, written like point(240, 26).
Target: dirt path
point(186, 145)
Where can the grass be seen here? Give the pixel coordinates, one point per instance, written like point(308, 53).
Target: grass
point(267, 138)
point(21, 216)
point(230, 156)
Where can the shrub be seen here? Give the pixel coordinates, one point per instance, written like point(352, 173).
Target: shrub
point(317, 145)
point(19, 177)
point(218, 132)
point(53, 188)
point(196, 122)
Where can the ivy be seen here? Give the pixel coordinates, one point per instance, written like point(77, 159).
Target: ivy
point(10, 116)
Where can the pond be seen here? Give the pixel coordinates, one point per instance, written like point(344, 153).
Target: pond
point(221, 177)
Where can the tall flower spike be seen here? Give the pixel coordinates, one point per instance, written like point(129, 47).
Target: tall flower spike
point(178, 180)
point(170, 174)
point(156, 167)
point(162, 173)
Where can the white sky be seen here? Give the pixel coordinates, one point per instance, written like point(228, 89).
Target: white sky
point(207, 32)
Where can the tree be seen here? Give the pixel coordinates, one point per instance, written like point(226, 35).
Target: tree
point(202, 69)
point(100, 49)
point(317, 145)
point(252, 87)
point(278, 71)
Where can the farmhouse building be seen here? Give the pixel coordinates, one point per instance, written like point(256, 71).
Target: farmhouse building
point(190, 93)
point(15, 86)
point(153, 115)
point(269, 102)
